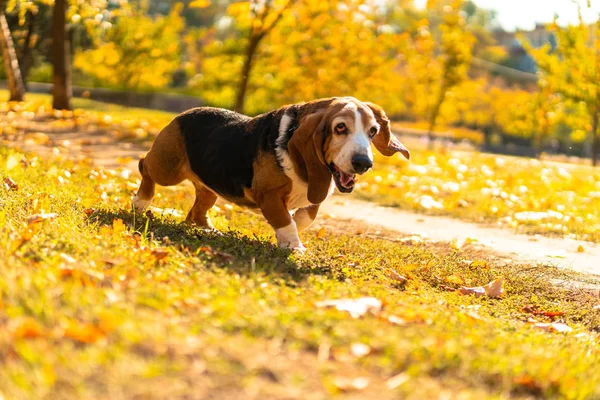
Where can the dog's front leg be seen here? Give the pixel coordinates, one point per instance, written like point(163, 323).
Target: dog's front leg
point(273, 208)
point(305, 216)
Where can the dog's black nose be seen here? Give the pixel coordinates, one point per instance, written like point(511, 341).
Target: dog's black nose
point(361, 163)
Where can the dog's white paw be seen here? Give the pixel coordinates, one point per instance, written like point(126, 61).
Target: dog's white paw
point(287, 238)
point(299, 249)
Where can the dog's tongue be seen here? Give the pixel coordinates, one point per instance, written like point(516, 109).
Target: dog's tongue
point(346, 179)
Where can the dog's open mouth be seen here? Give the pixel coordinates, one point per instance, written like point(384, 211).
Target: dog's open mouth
point(344, 182)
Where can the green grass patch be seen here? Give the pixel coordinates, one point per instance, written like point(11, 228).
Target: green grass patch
point(98, 302)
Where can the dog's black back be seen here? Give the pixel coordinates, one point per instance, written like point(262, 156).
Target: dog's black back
point(222, 146)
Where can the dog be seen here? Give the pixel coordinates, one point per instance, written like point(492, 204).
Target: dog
point(285, 162)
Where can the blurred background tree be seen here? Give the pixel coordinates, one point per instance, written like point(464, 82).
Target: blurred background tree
point(445, 67)
point(573, 71)
point(137, 52)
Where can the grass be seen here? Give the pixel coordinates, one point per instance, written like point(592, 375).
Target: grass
point(529, 195)
point(532, 196)
point(97, 302)
point(117, 111)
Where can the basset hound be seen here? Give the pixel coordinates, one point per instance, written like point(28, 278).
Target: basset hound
point(285, 162)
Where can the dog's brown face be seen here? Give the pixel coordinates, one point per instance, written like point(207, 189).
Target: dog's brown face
point(334, 138)
point(349, 128)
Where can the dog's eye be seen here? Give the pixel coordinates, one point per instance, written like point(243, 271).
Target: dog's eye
point(341, 128)
point(373, 132)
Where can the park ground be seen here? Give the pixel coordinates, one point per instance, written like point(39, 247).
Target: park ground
point(99, 302)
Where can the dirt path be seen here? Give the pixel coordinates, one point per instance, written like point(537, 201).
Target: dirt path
point(561, 252)
point(538, 249)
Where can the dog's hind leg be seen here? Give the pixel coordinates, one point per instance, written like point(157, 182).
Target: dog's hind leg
point(205, 200)
point(166, 164)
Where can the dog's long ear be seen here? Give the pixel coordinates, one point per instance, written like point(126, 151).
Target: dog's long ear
point(306, 151)
point(385, 141)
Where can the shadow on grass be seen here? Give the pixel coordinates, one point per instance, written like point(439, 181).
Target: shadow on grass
point(230, 250)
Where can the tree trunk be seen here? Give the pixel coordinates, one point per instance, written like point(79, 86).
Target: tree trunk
point(240, 97)
point(595, 139)
point(61, 89)
point(25, 60)
point(434, 116)
point(11, 63)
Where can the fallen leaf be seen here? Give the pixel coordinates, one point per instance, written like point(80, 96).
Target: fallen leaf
point(493, 289)
point(393, 319)
point(414, 239)
point(555, 327)
point(67, 258)
point(580, 249)
point(10, 184)
point(457, 280)
point(36, 218)
point(160, 253)
point(528, 382)
point(396, 276)
point(457, 243)
point(397, 380)
point(83, 332)
point(346, 384)
point(321, 233)
point(355, 307)
point(89, 212)
point(474, 316)
point(27, 328)
point(535, 310)
point(479, 264)
point(12, 161)
point(118, 226)
point(360, 350)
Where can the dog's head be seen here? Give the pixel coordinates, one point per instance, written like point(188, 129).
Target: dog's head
point(334, 138)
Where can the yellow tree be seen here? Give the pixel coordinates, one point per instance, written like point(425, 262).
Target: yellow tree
point(138, 51)
point(455, 51)
point(263, 17)
point(317, 49)
point(573, 70)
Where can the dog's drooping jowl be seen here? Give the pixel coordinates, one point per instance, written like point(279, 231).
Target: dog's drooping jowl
point(285, 162)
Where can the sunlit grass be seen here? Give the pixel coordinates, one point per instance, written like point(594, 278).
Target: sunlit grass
point(96, 302)
point(530, 195)
point(527, 194)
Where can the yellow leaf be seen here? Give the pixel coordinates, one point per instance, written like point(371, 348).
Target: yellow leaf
point(83, 332)
point(12, 162)
point(457, 244)
point(27, 328)
point(580, 249)
point(321, 233)
point(493, 289)
point(457, 280)
point(119, 226)
point(199, 4)
point(37, 218)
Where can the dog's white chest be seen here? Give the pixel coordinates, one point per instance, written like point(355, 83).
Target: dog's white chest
point(299, 196)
